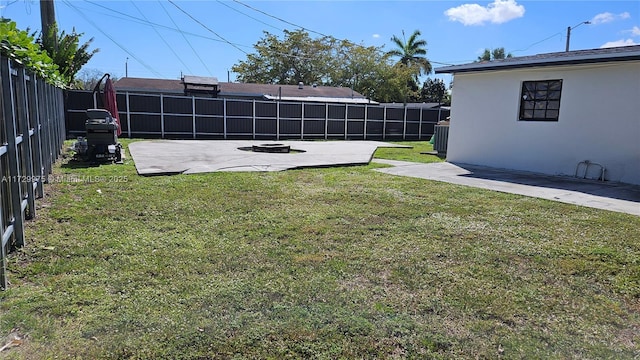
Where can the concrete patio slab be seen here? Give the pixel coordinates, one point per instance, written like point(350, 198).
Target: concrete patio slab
point(617, 197)
point(161, 157)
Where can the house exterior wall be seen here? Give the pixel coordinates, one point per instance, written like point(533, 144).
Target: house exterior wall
point(599, 121)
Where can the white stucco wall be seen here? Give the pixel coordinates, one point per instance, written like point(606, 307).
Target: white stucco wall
point(599, 121)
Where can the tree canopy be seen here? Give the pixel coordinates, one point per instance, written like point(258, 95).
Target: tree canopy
point(295, 58)
point(325, 61)
point(495, 54)
point(55, 58)
point(88, 78)
point(412, 52)
point(434, 90)
point(21, 47)
point(67, 52)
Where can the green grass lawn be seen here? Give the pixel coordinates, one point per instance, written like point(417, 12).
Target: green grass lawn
point(317, 263)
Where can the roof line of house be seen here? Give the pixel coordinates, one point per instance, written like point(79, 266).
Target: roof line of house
point(627, 53)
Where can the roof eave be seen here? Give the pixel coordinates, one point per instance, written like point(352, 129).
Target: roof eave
point(537, 63)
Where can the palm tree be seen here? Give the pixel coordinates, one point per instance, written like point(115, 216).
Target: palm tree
point(495, 54)
point(411, 52)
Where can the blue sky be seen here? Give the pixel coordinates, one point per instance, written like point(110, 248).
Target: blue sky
point(167, 38)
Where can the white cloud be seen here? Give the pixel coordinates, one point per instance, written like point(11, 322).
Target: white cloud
point(376, 36)
point(635, 31)
point(498, 12)
point(621, 42)
point(607, 17)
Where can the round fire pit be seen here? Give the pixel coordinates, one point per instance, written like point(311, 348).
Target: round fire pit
point(271, 148)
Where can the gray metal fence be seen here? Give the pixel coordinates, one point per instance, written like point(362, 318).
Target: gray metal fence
point(187, 117)
point(32, 130)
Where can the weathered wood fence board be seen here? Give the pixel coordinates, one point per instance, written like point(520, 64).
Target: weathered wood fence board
point(187, 117)
point(32, 130)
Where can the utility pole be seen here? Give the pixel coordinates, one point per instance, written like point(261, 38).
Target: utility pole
point(569, 28)
point(47, 15)
point(47, 19)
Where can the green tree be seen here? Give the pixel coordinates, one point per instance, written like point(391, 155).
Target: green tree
point(21, 47)
point(368, 70)
point(87, 79)
point(325, 61)
point(67, 52)
point(434, 90)
point(495, 54)
point(293, 59)
point(412, 53)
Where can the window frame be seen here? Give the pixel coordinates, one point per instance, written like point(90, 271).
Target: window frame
point(540, 100)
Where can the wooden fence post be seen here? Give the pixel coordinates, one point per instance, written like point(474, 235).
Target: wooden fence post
point(224, 118)
point(278, 121)
point(364, 131)
point(27, 178)
point(302, 123)
point(326, 121)
point(193, 114)
point(346, 120)
point(420, 126)
point(128, 115)
point(384, 123)
point(404, 124)
point(161, 116)
point(12, 153)
point(253, 116)
point(36, 112)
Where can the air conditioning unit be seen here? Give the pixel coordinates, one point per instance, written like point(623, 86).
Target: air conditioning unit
point(441, 138)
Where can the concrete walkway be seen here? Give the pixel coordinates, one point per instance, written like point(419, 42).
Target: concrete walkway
point(601, 195)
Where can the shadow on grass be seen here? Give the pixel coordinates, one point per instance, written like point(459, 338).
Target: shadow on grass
point(75, 163)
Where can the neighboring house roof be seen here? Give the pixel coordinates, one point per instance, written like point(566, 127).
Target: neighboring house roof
point(422, 105)
point(623, 53)
point(149, 85)
point(270, 91)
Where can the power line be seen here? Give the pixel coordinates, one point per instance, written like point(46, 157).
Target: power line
point(184, 33)
point(204, 26)
point(304, 28)
point(88, 18)
point(538, 42)
point(230, 43)
point(150, 23)
point(161, 37)
point(280, 19)
point(249, 16)
point(221, 38)
point(187, 40)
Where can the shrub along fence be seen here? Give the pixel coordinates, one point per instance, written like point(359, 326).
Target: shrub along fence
point(188, 117)
point(32, 131)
